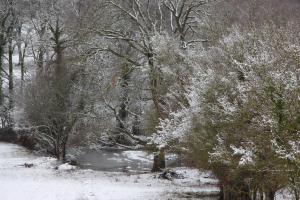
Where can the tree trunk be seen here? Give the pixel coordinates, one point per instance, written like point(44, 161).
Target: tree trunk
point(60, 148)
point(295, 185)
point(10, 74)
point(254, 194)
point(222, 193)
point(225, 193)
point(245, 192)
point(22, 65)
point(123, 113)
point(261, 194)
point(270, 195)
point(159, 161)
point(21, 54)
point(40, 59)
point(41, 52)
point(61, 92)
point(62, 153)
point(296, 194)
point(1, 80)
point(159, 157)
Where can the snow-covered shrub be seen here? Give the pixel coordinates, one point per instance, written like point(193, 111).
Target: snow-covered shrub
point(243, 109)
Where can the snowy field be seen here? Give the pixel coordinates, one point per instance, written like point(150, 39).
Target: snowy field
point(43, 182)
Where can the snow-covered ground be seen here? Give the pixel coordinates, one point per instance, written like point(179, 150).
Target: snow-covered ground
point(43, 181)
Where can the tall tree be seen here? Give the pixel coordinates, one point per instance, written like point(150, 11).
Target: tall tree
point(148, 19)
point(6, 31)
point(53, 115)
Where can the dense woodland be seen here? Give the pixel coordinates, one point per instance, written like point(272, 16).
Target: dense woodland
point(215, 81)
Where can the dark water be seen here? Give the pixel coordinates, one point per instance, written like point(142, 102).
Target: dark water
point(117, 161)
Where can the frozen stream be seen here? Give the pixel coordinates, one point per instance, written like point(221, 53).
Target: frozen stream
point(117, 161)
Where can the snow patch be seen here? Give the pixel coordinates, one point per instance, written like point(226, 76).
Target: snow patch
point(66, 167)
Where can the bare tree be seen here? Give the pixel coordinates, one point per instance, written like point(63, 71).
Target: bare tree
point(54, 113)
point(149, 18)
